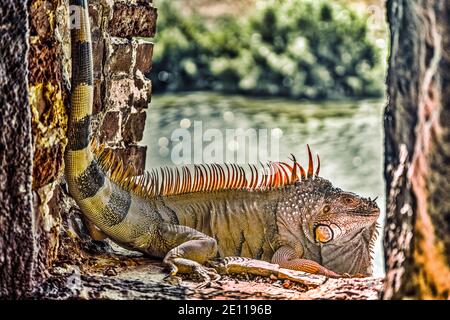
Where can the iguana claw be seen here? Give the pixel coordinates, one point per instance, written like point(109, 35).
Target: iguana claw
point(346, 275)
point(207, 275)
point(172, 279)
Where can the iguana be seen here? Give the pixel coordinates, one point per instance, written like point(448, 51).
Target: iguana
point(285, 214)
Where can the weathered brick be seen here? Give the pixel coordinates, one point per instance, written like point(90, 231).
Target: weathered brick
point(49, 73)
point(49, 163)
point(98, 49)
point(98, 96)
point(134, 155)
point(128, 92)
point(109, 130)
point(133, 128)
point(44, 63)
point(41, 23)
point(144, 86)
point(119, 94)
point(119, 58)
point(133, 20)
point(144, 53)
point(95, 15)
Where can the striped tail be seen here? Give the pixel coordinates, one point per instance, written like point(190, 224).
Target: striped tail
point(99, 199)
point(79, 158)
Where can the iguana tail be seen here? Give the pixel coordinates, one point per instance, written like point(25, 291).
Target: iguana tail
point(99, 199)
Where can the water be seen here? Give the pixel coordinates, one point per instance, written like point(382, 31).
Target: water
point(346, 135)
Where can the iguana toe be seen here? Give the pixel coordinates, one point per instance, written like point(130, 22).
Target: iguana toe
point(206, 274)
point(172, 279)
point(346, 275)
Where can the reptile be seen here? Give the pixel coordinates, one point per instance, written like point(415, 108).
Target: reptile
point(187, 216)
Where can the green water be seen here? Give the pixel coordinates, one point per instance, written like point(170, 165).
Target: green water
point(346, 135)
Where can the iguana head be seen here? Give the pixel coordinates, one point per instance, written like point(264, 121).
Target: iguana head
point(339, 224)
point(345, 227)
point(339, 216)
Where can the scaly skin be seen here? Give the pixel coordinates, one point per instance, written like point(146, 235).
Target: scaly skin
point(303, 224)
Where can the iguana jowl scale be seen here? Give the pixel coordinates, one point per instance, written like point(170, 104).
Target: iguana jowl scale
point(291, 217)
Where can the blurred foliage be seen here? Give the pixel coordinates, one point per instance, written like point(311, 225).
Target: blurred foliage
point(312, 49)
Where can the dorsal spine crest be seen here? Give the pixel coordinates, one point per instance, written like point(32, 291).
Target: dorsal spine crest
point(167, 181)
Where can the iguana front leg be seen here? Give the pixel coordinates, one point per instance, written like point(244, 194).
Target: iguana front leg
point(287, 257)
point(191, 249)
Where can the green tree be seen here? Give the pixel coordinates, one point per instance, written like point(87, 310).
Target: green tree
point(298, 48)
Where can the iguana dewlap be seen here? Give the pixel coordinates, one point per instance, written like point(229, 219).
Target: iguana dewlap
point(285, 215)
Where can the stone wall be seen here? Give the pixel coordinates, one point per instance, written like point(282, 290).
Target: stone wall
point(121, 61)
point(122, 58)
point(16, 223)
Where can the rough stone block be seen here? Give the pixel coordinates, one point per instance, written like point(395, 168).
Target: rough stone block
point(144, 53)
point(119, 58)
point(41, 20)
point(95, 15)
point(144, 86)
point(134, 155)
point(48, 164)
point(48, 125)
point(133, 127)
point(98, 96)
point(43, 61)
point(133, 20)
point(110, 128)
point(98, 49)
point(128, 92)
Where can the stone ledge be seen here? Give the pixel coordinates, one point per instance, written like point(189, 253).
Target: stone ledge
point(123, 276)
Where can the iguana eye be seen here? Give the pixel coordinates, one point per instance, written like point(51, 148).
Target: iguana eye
point(349, 201)
point(326, 209)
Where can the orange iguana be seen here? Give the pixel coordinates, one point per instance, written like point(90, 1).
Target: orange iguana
point(290, 217)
